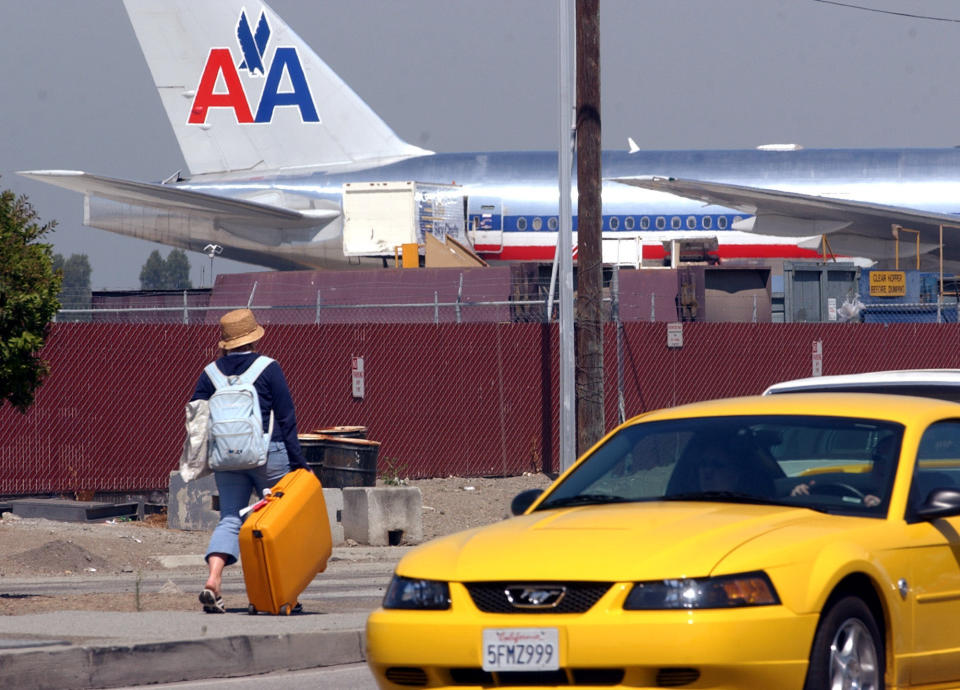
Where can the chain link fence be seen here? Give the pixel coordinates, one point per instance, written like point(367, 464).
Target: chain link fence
point(466, 399)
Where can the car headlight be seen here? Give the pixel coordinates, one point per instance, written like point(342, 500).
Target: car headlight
point(407, 593)
point(727, 591)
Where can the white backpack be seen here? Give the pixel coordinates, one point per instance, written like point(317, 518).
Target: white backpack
point(237, 440)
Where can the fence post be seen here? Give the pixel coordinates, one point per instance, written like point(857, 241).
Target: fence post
point(653, 308)
point(186, 313)
point(615, 313)
point(459, 296)
point(436, 308)
point(253, 291)
point(316, 319)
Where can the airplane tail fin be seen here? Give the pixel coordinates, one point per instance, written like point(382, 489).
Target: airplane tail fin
point(243, 92)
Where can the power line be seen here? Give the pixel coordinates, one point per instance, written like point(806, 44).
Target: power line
point(879, 11)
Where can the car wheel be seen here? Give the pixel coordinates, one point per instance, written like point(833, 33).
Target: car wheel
point(847, 649)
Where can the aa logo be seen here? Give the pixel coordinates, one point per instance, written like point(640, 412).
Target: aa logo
point(222, 66)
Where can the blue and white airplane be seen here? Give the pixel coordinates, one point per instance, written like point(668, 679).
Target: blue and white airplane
point(270, 135)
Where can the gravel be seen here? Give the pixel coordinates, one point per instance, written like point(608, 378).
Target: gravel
point(35, 547)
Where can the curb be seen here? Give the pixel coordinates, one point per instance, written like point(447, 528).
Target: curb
point(169, 662)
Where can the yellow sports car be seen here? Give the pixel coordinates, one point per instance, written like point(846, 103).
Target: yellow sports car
point(809, 540)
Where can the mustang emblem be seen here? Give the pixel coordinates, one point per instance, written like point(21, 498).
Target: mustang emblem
point(534, 597)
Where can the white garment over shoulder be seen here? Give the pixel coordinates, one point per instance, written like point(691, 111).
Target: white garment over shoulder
point(193, 459)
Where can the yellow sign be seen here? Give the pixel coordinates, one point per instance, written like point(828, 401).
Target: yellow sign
point(888, 283)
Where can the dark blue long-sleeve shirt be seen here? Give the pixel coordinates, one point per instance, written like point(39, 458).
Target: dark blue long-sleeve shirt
point(274, 394)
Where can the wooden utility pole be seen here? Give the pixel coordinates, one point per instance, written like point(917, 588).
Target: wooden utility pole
point(589, 314)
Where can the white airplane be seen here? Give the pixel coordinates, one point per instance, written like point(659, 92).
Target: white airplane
point(270, 135)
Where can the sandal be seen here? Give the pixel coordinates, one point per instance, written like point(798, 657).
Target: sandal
point(212, 602)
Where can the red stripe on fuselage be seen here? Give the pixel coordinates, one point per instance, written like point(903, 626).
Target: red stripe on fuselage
point(655, 252)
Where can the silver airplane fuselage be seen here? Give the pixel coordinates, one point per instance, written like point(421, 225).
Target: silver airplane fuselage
point(522, 188)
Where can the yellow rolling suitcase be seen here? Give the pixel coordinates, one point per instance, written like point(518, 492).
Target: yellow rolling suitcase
point(284, 543)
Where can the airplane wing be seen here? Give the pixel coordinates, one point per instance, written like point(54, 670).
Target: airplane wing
point(182, 200)
point(855, 228)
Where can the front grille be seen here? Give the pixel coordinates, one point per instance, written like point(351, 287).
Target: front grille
point(676, 677)
point(580, 676)
point(491, 597)
point(407, 675)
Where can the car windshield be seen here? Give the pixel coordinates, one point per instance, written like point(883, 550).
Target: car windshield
point(829, 464)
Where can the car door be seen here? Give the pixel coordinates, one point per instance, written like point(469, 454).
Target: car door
point(934, 586)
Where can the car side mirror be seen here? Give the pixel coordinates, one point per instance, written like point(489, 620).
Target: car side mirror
point(523, 500)
point(940, 503)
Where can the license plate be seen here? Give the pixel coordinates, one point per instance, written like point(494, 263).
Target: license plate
point(520, 649)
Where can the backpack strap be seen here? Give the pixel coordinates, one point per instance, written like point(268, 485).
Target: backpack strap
point(255, 369)
point(216, 376)
point(251, 375)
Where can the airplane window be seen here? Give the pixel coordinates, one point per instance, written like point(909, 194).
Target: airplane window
point(661, 222)
point(629, 222)
point(614, 223)
point(675, 222)
point(691, 222)
point(722, 222)
point(553, 223)
point(521, 223)
point(645, 223)
point(707, 222)
point(537, 223)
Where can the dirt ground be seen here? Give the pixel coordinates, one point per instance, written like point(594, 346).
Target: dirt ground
point(46, 548)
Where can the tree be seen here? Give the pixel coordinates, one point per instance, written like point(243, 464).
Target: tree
point(28, 299)
point(172, 273)
point(75, 291)
point(178, 270)
point(153, 274)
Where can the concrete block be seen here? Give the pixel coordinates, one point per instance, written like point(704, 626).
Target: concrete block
point(66, 510)
point(383, 515)
point(194, 506)
point(189, 506)
point(334, 500)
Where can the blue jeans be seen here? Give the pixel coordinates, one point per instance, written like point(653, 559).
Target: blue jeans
point(235, 487)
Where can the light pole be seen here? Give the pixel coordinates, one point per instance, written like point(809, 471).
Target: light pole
point(212, 250)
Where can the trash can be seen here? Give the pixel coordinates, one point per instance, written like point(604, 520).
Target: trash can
point(343, 431)
point(339, 461)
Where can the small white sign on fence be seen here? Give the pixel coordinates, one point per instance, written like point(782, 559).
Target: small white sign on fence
point(817, 358)
point(674, 335)
point(356, 376)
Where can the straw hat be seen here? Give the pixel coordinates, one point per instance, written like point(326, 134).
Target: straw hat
point(239, 327)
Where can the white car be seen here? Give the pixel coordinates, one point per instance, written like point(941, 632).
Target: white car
point(928, 383)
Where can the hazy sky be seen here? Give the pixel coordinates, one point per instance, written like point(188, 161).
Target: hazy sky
point(472, 75)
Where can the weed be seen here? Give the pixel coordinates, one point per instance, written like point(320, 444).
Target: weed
point(393, 469)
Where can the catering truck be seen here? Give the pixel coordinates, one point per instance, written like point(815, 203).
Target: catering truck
point(381, 217)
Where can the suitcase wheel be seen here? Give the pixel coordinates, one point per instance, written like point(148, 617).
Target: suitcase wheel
point(251, 609)
point(285, 610)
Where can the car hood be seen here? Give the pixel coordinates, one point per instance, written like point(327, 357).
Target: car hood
point(619, 542)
